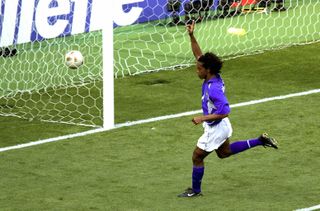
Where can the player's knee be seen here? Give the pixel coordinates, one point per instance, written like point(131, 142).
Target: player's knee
point(223, 152)
point(222, 155)
point(196, 160)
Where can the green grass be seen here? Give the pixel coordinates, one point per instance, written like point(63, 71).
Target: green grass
point(144, 167)
point(49, 91)
point(40, 65)
point(270, 74)
point(140, 168)
point(248, 78)
point(299, 24)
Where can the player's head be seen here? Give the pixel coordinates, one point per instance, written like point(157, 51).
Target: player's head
point(210, 62)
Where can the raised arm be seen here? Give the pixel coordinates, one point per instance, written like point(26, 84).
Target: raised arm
point(194, 44)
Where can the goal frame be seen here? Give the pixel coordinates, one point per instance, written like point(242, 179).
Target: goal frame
point(108, 68)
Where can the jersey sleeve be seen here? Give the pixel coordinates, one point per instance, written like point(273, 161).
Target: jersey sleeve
point(219, 100)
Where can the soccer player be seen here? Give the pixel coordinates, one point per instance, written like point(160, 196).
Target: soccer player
point(217, 127)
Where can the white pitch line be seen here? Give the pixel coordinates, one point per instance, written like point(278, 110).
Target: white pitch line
point(155, 119)
point(281, 97)
point(317, 207)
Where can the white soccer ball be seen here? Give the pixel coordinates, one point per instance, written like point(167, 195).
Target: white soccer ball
point(74, 59)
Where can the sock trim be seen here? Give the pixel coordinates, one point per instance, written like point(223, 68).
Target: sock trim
point(248, 142)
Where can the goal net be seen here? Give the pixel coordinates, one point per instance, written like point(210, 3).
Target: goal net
point(35, 84)
point(159, 40)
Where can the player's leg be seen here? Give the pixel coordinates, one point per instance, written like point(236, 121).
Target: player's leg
point(198, 157)
point(198, 168)
point(197, 173)
point(224, 150)
point(227, 149)
point(210, 140)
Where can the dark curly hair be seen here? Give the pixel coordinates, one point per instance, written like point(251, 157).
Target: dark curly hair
point(211, 62)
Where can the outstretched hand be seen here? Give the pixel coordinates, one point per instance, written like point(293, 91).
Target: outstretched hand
point(197, 120)
point(190, 27)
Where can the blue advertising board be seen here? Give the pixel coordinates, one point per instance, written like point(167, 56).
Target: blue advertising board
point(24, 21)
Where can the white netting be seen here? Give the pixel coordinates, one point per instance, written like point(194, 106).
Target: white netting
point(36, 84)
point(163, 44)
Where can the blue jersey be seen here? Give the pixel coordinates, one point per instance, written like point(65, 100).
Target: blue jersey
point(213, 99)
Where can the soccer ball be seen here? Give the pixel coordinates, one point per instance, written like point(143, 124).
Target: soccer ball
point(74, 59)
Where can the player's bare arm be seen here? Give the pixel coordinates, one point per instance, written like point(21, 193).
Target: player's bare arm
point(211, 117)
point(194, 44)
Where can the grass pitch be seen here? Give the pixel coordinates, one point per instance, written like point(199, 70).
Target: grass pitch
point(49, 91)
point(145, 166)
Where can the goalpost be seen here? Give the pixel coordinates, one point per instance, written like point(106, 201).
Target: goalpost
point(108, 70)
point(35, 84)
